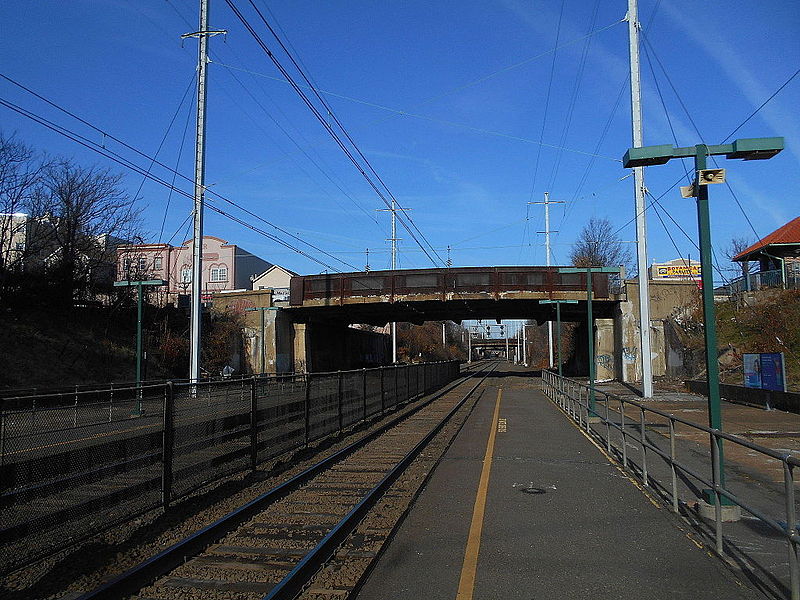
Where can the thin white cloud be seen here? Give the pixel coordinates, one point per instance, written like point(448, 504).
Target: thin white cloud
point(725, 54)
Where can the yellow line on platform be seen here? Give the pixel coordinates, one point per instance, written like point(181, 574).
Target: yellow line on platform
point(466, 584)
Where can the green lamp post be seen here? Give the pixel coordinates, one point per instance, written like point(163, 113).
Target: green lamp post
point(746, 149)
point(558, 304)
point(139, 285)
point(590, 320)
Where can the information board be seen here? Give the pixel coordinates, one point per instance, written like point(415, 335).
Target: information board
point(772, 373)
point(752, 370)
point(764, 371)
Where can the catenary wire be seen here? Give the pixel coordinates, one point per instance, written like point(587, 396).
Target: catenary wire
point(90, 144)
point(318, 115)
point(141, 171)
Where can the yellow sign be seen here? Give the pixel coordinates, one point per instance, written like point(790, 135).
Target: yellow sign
point(678, 272)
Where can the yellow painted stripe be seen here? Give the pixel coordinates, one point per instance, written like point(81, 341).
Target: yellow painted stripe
point(466, 584)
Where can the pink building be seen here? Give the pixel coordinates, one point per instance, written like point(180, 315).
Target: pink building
point(225, 266)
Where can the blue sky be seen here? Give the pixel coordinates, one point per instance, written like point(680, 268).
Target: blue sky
point(447, 101)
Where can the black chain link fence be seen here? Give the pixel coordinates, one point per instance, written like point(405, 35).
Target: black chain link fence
point(75, 463)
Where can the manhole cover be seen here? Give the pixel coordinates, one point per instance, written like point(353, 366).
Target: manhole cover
point(531, 488)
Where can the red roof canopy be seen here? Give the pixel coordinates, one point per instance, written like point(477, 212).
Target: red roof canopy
point(788, 234)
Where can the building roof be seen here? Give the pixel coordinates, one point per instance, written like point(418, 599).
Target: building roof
point(273, 268)
point(788, 234)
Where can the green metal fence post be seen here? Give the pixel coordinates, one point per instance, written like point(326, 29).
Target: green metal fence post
point(590, 323)
point(253, 424)
point(167, 444)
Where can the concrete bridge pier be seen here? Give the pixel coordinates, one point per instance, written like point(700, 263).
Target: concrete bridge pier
point(605, 352)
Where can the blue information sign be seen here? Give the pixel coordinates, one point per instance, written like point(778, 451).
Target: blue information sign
point(752, 370)
point(772, 374)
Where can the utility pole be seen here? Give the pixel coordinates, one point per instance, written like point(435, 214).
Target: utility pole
point(519, 354)
point(203, 33)
point(638, 186)
point(524, 345)
point(508, 356)
point(548, 258)
point(394, 239)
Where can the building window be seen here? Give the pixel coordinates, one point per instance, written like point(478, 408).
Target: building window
point(219, 274)
point(157, 264)
point(186, 275)
point(142, 264)
point(127, 264)
point(20, 246)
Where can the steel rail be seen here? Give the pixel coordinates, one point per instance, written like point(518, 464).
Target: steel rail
point(131, 581)
point(304, 571)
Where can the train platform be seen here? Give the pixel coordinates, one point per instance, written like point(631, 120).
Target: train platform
point(524, 505)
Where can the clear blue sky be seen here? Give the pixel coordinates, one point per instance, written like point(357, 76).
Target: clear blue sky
point(446, 99)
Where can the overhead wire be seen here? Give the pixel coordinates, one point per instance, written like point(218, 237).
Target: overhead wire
point(323, 121)
point(161, 145)
point(119, 159)
point(762, 105)
point(303, 151)
point(573, 98)
point(332, 115)
point(547, 101)
point(541, 132)
point(327, 175)
point(696, 129)
point(175, 172)
point(107, 135)
point(406, 113)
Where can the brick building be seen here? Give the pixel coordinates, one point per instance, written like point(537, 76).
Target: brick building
point(225, 266)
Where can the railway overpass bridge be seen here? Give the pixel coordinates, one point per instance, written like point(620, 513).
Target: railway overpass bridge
point(322, 306)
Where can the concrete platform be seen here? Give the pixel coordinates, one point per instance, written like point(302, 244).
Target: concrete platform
point(561, 521)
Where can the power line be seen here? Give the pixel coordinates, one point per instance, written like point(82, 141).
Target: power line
point(117, 158)
point(175, 173)
point(573, 98)
point(697, 130)
point(94, 146)
point(547, 101)
point(303, 151)
point(406, 113)
point(318, 115)
point(763, 104)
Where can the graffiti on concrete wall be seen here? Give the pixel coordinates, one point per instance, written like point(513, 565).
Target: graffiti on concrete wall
point(606, 361)
point(629, 354)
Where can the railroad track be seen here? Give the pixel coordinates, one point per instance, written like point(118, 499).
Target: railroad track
point(277, 544)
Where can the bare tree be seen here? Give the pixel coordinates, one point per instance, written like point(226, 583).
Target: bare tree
point(598, 246)
point(85, 214)
point(736, 246)
point(20, 174)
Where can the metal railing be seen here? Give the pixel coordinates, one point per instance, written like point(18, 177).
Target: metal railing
point(574, 399)
point(72, 465)
point(765, 279)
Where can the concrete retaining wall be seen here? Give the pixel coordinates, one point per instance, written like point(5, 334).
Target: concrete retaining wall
point(788, 401)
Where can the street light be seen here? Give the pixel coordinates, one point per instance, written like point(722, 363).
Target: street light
point(590, 323)
point(139, 285)
point(558, 304)
point(746, 149)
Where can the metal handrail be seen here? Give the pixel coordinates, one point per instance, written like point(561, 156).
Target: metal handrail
point(567, 393)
